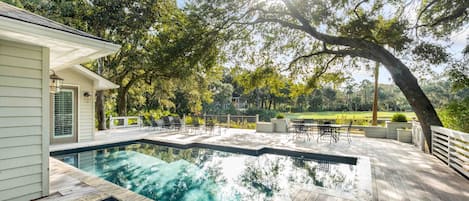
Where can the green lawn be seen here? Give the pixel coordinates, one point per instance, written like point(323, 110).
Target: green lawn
point(346, 115)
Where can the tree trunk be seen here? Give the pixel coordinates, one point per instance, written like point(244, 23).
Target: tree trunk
point(100, 114)
point(99, 105)
point(409, 86)
point(122, 101)
point(375, 98)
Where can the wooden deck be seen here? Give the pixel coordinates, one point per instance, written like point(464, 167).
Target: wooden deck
point(399, 171)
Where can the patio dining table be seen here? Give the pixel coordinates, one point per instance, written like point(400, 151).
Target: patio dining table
point(323, 129)
point(329, 129)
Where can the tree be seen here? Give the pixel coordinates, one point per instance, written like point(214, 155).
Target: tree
point(328, 32)
point(375, 97)
point(159, 42)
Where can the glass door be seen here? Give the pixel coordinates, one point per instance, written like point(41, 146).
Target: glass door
point(64, 116)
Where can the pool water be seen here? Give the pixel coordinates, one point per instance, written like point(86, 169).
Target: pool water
point(172, 174)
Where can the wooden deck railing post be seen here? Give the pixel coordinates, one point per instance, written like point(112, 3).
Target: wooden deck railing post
point(111, 122)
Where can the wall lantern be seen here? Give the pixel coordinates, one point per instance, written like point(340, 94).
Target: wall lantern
point(55, 83)
point(87, 94)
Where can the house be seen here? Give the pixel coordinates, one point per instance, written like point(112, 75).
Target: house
point(238, 102)
point(32, 49)
point(72, 109)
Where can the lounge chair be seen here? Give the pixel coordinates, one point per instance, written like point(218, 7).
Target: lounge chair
point(156, 123)
point(176, 123)
point(167, 122)
point(195, 125)
point(210, 125)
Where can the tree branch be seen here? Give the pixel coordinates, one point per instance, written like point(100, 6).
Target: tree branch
point(334, 40)
point(356, 7)
point(337, 53)
point(281, 22)
point(441, 19)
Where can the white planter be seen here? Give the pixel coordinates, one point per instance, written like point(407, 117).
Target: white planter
point(375, 132)
point(404, 135)
point(264, 127)
point(391, 127)
point(280, 125)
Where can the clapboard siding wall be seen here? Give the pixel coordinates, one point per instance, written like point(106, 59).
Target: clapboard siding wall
point(85, 104)
point(23, 109)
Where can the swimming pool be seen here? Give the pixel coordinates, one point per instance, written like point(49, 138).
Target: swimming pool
point(162, 172)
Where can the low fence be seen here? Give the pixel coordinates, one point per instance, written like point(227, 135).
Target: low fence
point(227, 120)
point(125, 122)
point(452, 147)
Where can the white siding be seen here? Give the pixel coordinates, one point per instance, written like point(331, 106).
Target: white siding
point(85, 105)
point(23, 79)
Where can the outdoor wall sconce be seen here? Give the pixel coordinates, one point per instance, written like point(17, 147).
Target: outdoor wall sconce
point(86, 94)
point(55, 83)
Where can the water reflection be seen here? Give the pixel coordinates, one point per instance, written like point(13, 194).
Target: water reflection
point(165, 173)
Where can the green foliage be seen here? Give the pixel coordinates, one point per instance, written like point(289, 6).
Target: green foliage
point(243, 125)
point(456, 115)
point(443, 17)
point(280, 116)
point(399, 117)
point(264, 115)
point(163, 50)
point(157, 114)
point(434, 54)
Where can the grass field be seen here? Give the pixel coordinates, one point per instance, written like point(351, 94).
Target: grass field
point(346, 115)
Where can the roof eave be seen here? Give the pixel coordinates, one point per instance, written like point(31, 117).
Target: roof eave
point(86, 49)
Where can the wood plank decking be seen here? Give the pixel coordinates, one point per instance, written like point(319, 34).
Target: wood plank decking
point(399, 170)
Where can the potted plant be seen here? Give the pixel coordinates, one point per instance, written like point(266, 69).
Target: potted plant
point(398, 120)
point(280, 123)
point(280, 116)
point(404, 135)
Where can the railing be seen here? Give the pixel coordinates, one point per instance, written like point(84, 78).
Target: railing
point(418, 138)
point(452, 147)
point(230, 121)
point(125, 122)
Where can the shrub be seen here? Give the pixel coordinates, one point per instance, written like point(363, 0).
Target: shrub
point(264, 115)
point(456, 115)
point(243, 124)
point(398, 117)
point(280, 116)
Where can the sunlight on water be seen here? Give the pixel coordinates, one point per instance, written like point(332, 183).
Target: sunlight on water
point(165, 173)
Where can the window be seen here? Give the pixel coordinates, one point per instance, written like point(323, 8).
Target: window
point(64, 114)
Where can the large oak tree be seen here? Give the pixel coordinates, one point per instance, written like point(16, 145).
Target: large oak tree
point(333, 35)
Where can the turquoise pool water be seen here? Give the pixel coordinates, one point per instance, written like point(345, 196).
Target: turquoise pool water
point(172, 174)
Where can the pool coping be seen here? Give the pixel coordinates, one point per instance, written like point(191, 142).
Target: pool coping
point(363, 180)
point(104, 188)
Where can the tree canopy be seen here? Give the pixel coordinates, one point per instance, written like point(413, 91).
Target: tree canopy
point(329, 36)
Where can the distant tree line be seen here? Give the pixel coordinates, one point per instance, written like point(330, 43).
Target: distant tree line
point(268, 89)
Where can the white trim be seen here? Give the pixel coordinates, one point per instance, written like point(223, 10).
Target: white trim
point(15, 29)
point(28, 28)
point(78, 107)
point(45, 121)
point(93, 108)
point(100, 82)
